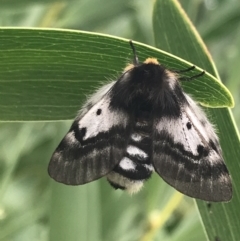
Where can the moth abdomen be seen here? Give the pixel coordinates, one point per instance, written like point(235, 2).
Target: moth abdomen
point(135, 167)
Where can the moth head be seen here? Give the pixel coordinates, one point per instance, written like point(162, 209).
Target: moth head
point(150, 69)
point(149, 61)
point(147, 76)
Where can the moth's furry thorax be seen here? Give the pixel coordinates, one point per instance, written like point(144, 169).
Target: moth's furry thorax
point(148, 85)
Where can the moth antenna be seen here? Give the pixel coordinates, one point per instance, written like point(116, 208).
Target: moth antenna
point(183, 70)
point(135, 57)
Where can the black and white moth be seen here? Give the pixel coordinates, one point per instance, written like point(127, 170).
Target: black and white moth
point(140, 123)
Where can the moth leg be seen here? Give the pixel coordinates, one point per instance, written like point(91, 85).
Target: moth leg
point(183, 70)
point(185, 78)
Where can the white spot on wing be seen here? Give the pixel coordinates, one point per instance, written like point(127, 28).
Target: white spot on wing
point(127, 164)
point(189, 138)
point(199, 117)
point(103, 122)
point(135, 151)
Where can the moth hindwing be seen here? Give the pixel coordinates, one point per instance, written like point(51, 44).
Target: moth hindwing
point(140, 123)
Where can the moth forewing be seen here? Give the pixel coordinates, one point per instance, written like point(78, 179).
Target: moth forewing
point(94, 144)
point(187, 155)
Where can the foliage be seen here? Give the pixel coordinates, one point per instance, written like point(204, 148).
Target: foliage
point(31, 206)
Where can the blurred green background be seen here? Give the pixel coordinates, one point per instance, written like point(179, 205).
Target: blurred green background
point(26, 199)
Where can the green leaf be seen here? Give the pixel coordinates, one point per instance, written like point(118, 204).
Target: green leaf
point(180, 38)
point(71, 205)
point(46, 74)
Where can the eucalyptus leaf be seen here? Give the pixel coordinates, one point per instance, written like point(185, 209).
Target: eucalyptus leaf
point(47, 73)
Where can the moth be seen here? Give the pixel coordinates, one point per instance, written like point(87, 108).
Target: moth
point(141, 123)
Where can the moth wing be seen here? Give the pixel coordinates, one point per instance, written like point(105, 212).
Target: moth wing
point(95, 143)
point(187, 155)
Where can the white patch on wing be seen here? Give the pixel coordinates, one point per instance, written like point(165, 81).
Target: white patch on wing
point(103, 122)
point(175, 129)
point(189, 129)
point(135, 151)
point(194, 109)
point(189, 116)
point(127, 164)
